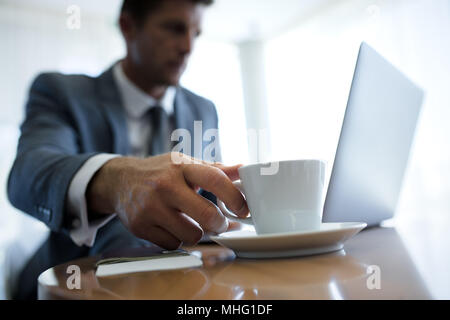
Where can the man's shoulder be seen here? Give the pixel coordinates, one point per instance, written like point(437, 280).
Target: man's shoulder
point(197, 100)
point(60, 82)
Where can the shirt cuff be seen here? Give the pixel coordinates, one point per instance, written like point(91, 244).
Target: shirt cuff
point(83, 230)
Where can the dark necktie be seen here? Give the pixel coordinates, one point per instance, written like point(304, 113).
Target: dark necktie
point(161, 127)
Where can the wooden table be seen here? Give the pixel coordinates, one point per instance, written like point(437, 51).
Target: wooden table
point(351, 273)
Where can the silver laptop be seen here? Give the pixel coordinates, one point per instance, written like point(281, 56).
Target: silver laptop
point(375, 142)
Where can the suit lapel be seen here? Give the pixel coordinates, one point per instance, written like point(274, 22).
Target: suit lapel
point(111, 103)
point(184, 112)
point(185, 115)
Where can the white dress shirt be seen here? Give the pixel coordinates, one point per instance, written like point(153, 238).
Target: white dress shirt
point(136, 104)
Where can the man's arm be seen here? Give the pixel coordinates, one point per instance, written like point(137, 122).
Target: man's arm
point(85, 226)
point(157, 200)
point(47, 155)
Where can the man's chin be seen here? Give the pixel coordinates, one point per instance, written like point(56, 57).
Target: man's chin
point(173, 81)
point(170, 78)
point(173, 76)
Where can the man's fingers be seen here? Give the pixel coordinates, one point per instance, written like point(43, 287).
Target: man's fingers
point(203, 211)
point(216, 181)
point(181, 226)
point(231, 171)
point(234, 225)
point(162, 238)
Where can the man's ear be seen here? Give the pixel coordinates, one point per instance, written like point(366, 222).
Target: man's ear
point(128, 26)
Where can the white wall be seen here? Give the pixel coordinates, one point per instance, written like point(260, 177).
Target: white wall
point(309, 73)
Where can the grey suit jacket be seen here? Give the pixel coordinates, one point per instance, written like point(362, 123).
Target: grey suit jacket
point(70, 118)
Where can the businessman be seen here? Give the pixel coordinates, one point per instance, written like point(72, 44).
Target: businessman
point(94, 161)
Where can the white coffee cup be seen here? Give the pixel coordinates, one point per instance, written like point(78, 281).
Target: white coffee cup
point(284, 196)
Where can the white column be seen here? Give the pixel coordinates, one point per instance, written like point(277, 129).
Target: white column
point(251, 55)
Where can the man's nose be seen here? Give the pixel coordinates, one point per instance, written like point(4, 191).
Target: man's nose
point(187, 43)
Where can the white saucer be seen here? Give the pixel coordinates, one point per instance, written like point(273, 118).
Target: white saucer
point(330, 237)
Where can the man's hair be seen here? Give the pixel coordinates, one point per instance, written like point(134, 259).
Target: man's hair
point(140, 9)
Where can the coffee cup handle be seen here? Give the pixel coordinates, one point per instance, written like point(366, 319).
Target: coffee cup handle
point(230, 215)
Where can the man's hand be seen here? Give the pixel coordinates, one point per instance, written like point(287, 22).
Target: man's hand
point(157, 199)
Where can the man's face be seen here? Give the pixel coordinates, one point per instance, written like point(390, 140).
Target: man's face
point(161, 46)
